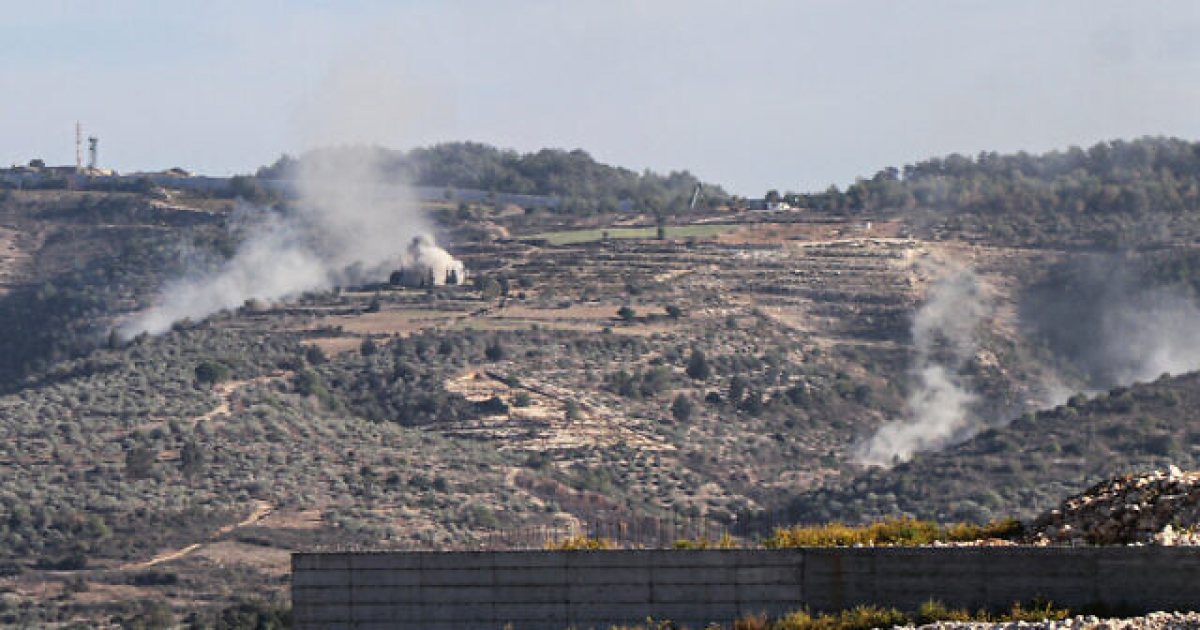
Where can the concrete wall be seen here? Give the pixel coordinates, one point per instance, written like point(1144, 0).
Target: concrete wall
point(585, 589)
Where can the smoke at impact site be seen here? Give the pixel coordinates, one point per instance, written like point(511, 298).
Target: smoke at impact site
point(351, 222)
point(1100, 320)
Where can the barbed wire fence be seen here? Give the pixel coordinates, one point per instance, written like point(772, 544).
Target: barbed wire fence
point(621, 531)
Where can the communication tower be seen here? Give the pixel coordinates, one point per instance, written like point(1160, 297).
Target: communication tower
point(78, 146)
point(93, 142)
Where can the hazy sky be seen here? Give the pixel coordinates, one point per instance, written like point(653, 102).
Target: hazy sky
point(789, 94)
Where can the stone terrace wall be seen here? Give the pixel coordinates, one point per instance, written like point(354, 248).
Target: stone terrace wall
point(554, 590)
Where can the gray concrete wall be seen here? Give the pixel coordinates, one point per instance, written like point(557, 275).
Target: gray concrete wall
point(555, 590)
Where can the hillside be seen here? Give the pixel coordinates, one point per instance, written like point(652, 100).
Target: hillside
point(1114, 194)
point(591, 370)
point(74, 259)
point(1032, 463)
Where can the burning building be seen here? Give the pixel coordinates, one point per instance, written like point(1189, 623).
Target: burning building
point(426, 265)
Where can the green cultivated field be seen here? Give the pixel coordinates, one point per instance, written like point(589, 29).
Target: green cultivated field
point(570, 237)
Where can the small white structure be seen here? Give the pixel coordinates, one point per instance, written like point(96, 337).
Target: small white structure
point(427, 265)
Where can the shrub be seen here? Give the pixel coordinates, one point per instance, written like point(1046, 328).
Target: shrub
point(490, 289)
point(934, 611)
point(139, 462)
point(1037, 611)
point(154, 578)
point(254, 615)
point(314, 355)
point(307, 383)
point(724, 542)
point(492, 406)
point(857, 618)
point(697, 367)
point(1006, 529)
point(896, 531)
point(211, 372)
point(579, 543)
point(74, 561)
point(682, 408)
point(738, 386)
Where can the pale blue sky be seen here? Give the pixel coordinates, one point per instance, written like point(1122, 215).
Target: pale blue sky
point(791, 95)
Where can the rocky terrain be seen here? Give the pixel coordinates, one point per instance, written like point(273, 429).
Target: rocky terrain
point(1152, 621)
point(1161, 507)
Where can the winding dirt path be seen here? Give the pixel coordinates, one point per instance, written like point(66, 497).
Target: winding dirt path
point(261, 510)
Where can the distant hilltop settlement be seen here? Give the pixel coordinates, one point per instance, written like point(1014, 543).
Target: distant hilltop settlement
point(37, 175)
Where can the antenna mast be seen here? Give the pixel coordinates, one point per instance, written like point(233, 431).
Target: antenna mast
point(78, 146)
point(695, 196)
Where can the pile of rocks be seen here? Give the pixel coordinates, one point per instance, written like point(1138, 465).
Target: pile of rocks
point(1162, 507)
point(1153, 621)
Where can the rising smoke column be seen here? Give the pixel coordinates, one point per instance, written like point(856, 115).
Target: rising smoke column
point(937, 409)
point(351, 224)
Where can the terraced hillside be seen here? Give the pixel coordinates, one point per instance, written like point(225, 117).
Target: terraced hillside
point(438, 417)
point(728, 371)
point(70, 260)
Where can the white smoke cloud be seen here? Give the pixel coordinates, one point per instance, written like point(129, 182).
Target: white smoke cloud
point(352, 221)
point(1148, 334)
point(351, 224)
point(937, 410)
point(1109, 322)
point(426, 264)
point(1118, 332)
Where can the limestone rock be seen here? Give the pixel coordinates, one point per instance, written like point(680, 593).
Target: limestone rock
point(1159, 508)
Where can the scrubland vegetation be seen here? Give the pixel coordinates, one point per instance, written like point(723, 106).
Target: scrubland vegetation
point(582, 185)
point(1113, 194)
point(571, 237)
point(719, 375)
point(1031, 464)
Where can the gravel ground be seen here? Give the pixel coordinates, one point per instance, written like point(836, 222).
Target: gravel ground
point(1153, 621)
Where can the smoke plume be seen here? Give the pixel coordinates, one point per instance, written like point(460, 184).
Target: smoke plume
point(350, 224)
point(426, 264)
point(937, 409)
point(1159, 334)
point(1112, 320)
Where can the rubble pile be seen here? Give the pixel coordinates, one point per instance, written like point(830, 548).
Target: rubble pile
point(1153, 621)
point(1158, 508)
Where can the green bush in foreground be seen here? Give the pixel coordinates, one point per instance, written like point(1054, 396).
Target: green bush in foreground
point(896, 531)
point(724, 542)
point(579, 543)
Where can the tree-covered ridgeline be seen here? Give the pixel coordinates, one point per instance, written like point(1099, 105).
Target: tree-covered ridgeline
point(579, 180)
point(1113, 193)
